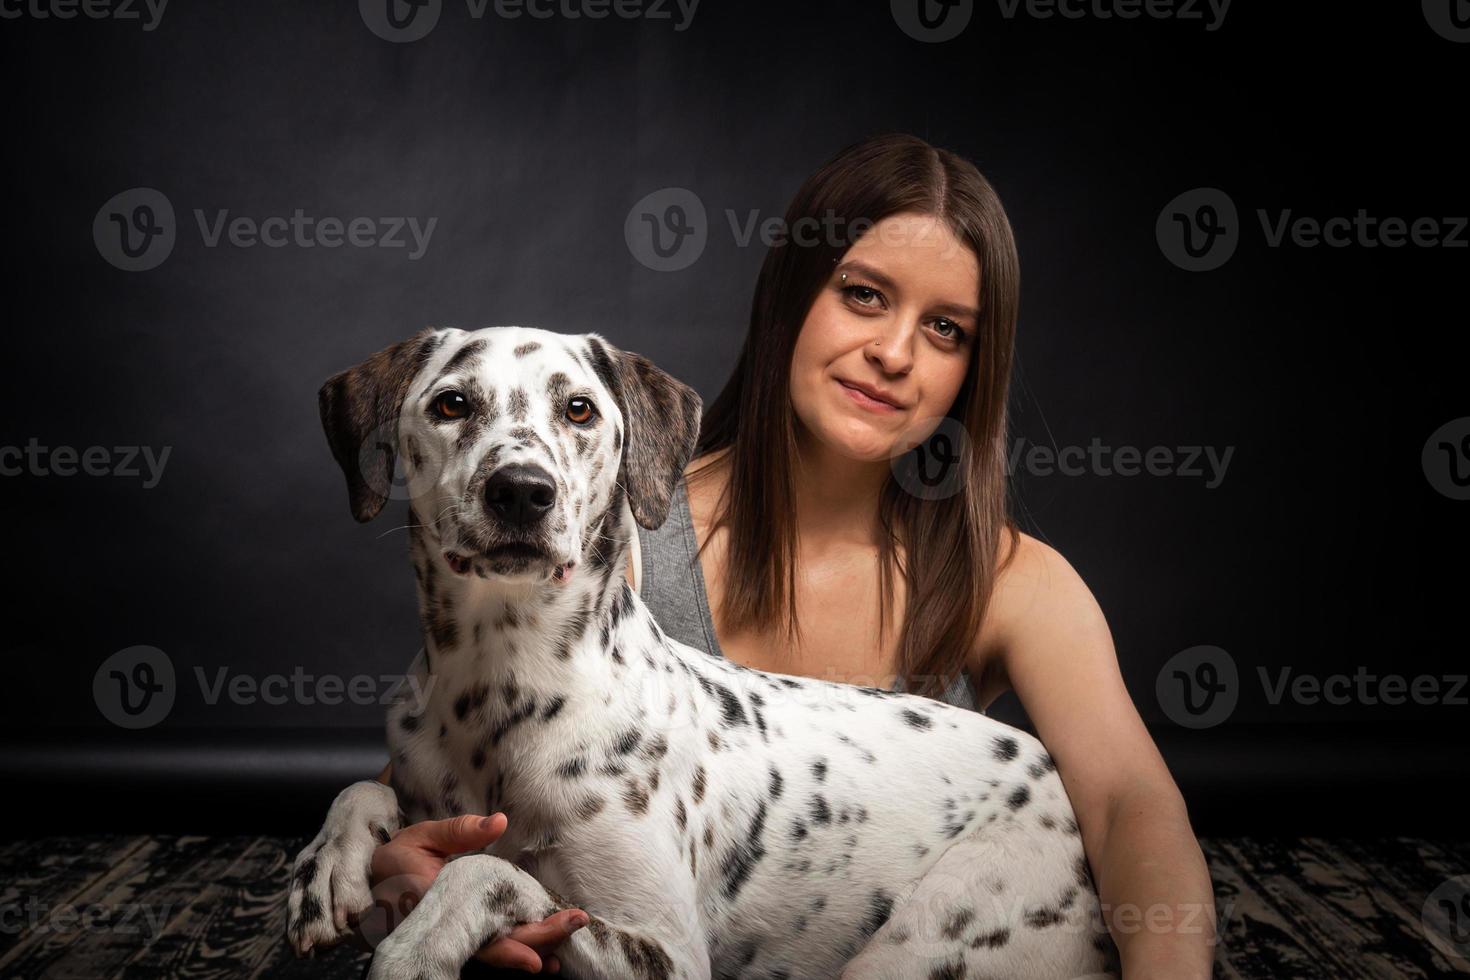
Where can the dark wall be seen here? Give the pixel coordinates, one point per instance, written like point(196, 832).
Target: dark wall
point(1327, 547)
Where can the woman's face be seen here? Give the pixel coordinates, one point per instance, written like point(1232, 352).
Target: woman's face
point(901, 324)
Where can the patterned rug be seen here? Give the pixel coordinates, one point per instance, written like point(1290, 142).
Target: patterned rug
point(172, 906)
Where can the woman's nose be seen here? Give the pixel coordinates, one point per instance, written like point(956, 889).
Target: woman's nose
point(892, 349)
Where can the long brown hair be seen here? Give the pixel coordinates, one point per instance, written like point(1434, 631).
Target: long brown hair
point(951, 543)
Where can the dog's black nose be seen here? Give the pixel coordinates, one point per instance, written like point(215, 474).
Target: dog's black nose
point(519, 494)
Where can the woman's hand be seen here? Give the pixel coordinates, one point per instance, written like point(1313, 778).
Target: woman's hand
point(403, 869)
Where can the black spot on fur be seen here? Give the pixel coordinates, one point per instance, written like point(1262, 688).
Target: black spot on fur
point(627, 742)
point(553, 707)
point(1019, 797)
point(915, 720)
point(819, 770)
point(957, 922)
point(746, 854)
point(306, 874)
point(776, 782)
point(646, 959)
point(469, 700)
point(505, 724)
point(820, 812)
point(1005, 748)
point(880, 906)
point(949, 970)
point(991, 940)
point(636, 797)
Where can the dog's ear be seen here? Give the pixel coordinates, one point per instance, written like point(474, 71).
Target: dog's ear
point(362, 405)
point(661, 427)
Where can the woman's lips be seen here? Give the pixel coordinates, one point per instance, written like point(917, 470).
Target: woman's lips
point(868, 401)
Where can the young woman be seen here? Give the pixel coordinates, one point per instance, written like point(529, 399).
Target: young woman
point(805, 541)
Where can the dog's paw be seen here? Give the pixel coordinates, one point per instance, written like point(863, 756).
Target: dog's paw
point(397, 958)
point(330, 883)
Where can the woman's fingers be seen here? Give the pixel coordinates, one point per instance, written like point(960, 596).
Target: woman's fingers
point(526, 945)
point(467, 832)
point(506, 952)
point(551, 931)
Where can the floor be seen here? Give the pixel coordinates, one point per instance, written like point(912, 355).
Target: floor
point(85, 907)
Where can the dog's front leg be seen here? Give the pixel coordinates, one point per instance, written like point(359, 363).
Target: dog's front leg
point(330, 879)
point(478, 898)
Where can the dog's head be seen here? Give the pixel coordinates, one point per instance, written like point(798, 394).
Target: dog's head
point(513, 441)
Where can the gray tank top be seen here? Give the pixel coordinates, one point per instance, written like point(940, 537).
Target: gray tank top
point(672, 587)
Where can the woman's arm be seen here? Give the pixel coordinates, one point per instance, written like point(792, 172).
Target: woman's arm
point(1049, 640)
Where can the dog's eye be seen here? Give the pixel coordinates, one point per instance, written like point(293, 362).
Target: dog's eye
point(580, 410)
point(450, 405)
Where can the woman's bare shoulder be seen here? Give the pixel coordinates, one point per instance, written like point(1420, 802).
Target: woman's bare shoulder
point(1033, 581)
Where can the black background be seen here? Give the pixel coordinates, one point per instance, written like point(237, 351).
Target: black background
point(1325, 549)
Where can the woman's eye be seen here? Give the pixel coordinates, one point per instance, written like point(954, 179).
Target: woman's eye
point(862, 295)
point(450, 405)
point(949, 330)
point(580, 410)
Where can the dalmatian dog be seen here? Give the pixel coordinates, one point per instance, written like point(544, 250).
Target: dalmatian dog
point(713, 820)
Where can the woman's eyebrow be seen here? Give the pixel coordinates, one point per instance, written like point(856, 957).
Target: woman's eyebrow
point(884, 282)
